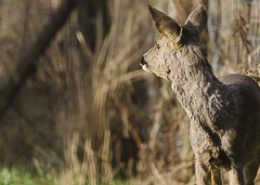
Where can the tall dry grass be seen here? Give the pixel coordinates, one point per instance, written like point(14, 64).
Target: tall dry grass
point(93, 114)
point(111, 72)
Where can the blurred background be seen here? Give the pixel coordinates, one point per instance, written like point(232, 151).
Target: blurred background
point(75, 106)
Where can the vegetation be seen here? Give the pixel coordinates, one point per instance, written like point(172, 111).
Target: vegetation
point(15, 176)
point(84, 108)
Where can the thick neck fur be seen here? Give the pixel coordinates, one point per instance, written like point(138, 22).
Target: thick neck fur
point(200, 93)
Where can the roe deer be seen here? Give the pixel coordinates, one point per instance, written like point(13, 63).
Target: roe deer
point(224, 113)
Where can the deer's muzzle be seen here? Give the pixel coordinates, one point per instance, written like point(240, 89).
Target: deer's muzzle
point(142, 63)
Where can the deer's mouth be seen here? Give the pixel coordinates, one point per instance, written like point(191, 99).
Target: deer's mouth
point(144, 65)
point(145, 68)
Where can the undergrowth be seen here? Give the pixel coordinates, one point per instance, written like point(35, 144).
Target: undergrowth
point(18, 176)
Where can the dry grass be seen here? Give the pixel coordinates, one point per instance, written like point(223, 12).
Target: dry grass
point(95, 114)
point(111, 68)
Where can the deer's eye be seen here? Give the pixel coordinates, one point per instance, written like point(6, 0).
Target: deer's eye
point(157, 46)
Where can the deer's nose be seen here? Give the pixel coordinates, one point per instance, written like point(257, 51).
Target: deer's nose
point(142, 63)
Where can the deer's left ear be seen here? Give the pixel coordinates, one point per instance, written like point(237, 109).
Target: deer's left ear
point(165, 24)
point(197, 20)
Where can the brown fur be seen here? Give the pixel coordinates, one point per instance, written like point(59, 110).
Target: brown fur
point(224, 114)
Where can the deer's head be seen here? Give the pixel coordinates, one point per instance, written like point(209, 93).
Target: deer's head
point(175, 42)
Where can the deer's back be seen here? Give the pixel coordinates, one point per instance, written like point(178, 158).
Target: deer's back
point(245, 93)
point(246, 90)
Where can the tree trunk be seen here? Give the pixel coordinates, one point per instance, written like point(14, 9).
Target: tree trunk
point(27, 60)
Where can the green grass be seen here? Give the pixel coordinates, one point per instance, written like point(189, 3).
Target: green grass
point(13, 177)
point(118, 182)
point(17, 176)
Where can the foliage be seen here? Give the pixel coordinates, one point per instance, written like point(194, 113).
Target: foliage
point(15, 176)
point(18, 176)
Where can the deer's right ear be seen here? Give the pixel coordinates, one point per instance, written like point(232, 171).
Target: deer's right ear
point(197, 20)
point(165, 24)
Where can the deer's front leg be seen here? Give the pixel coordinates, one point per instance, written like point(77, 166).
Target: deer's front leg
point(216, 176)
point(251, 170)
point(236, 176)
point(202, 173)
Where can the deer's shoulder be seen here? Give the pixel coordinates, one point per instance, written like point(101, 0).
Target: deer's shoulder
point(245, 91)
point(238, 79)
point(242, 84)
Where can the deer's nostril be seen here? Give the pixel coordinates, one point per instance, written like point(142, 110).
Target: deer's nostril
point(142, 63)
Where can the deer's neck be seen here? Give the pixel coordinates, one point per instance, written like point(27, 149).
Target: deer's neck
point(200, 93)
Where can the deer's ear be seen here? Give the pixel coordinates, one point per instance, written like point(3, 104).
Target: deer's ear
point(197, 20)
point(165, 24)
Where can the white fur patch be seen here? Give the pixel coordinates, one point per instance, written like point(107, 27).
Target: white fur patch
point(145, 68)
